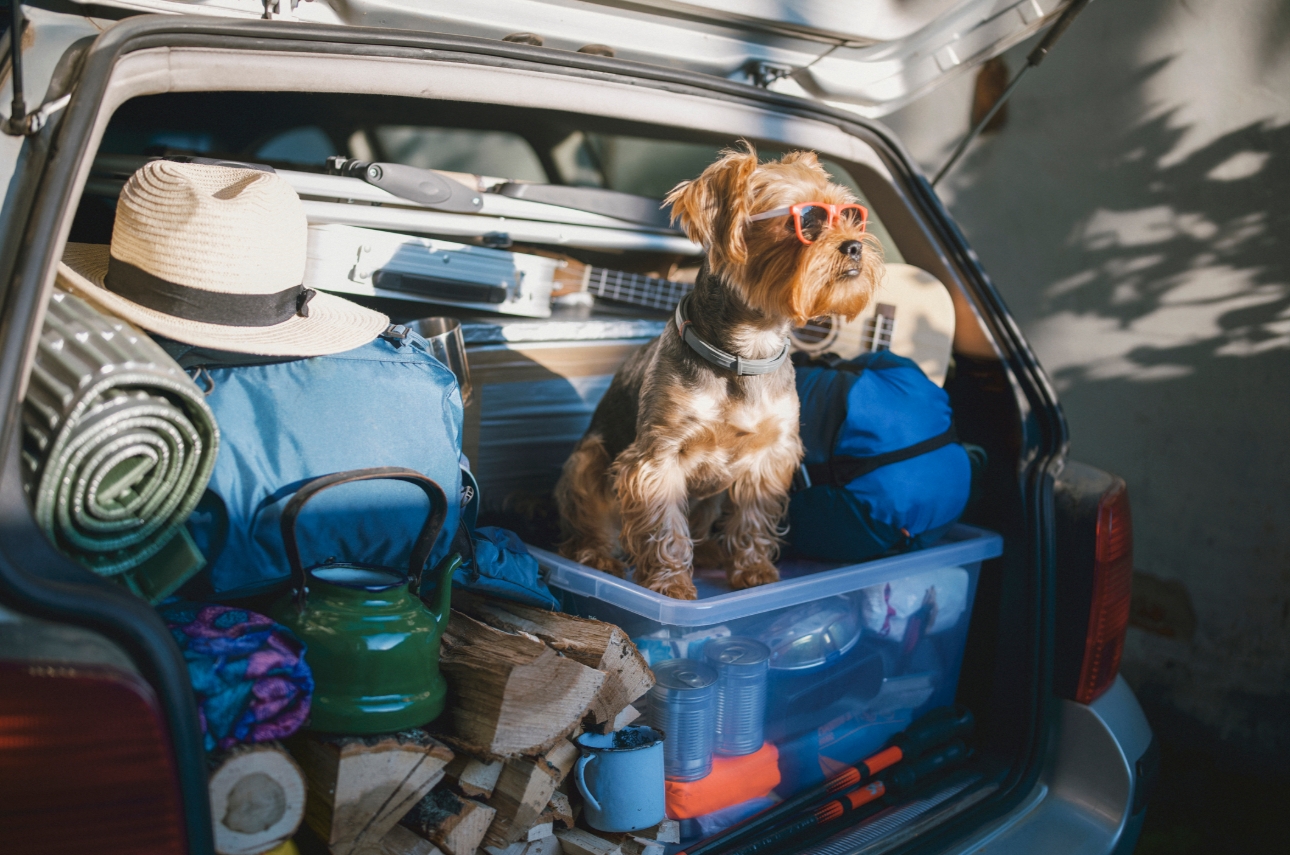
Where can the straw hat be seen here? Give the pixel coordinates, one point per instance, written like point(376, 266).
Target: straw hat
point(215, 256)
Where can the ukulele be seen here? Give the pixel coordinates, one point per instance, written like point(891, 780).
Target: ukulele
point(924, 332)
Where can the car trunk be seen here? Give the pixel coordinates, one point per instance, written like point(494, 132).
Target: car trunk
point(291, 95)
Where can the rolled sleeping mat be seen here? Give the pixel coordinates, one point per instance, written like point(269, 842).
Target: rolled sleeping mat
point(118, 443)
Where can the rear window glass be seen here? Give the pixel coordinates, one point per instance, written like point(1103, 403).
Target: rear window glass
point(652, 167)
point(495, 153)
point(306, 146)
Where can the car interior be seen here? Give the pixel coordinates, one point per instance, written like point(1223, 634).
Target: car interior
point(536, 374)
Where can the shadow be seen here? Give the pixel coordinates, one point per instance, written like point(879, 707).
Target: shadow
point(1140, 236)
point(1190, 257)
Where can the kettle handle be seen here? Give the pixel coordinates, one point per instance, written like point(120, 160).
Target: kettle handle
point(420, 550)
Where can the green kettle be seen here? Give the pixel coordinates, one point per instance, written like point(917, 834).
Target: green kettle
point(373, 645)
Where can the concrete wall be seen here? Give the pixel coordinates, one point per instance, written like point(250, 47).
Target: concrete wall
point(1134, 213)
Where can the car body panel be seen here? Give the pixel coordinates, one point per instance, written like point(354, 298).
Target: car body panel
point(872, 60)
point(1054, 794)
point(1082, 804)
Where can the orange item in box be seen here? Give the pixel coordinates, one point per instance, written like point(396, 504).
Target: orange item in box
point(732, 780)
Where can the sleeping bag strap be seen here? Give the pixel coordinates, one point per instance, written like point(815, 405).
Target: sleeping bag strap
point(842, 469)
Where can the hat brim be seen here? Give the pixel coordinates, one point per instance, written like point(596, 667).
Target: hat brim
point(334, 324)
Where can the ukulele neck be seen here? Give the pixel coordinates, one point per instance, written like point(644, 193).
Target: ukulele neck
point(636, 289)
point(879, 330)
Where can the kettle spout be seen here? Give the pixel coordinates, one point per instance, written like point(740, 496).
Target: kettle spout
point(442, 602)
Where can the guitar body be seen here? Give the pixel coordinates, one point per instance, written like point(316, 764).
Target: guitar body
point(923, 328)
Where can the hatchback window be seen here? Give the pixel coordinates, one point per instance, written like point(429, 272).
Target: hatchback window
point(498, 153)
point(309, 146)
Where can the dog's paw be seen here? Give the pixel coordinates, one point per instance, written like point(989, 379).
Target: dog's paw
point(678, 587)
point(754, 575)
point(603, 563)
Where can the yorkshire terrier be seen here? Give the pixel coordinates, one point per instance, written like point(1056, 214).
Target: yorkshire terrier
point(691, 452)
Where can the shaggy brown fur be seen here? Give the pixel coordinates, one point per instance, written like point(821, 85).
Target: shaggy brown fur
point(684, 458)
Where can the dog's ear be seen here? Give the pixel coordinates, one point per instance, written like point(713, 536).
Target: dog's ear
point(713, 209)
point(805, 158)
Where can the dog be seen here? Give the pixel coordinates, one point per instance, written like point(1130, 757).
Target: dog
point(691, 452)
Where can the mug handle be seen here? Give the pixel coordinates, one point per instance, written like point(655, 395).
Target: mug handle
point(580, 778)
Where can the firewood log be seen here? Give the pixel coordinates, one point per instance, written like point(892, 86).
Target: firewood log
point(474, 777)
point(401, 840)
point(667, 831)
point(257, 797)
point(360, 787)
point(559, 811)
point(576, 841)
point(513, 694)
point(635, 846)
point(594, 643)
point(455, 824)
point(545, 846)
point(646, 841)
point(628, 715)
point(524, 789)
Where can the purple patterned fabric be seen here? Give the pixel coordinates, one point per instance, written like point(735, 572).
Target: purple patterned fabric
point(249, 673)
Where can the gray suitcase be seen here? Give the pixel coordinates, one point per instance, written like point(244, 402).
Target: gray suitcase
point(350, 260)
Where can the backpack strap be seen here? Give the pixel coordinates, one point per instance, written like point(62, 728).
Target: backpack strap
point(842, 469)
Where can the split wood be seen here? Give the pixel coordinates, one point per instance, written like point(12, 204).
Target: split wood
point(474, 777)
point(514, 694)
point(401, 840)
point(524, 790)
point(455, 824)
point(594, 643)
point(360, 787)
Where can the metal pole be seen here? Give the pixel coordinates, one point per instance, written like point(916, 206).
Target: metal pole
point(18, 113)
point(972, 134)
point(1033, 59)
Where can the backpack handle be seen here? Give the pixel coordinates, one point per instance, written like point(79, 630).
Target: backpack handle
point(420, 550)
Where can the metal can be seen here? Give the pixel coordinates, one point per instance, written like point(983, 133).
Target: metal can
point(682, 704)
point(742, 665)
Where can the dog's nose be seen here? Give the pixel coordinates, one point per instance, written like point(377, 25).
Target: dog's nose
point(852, 249)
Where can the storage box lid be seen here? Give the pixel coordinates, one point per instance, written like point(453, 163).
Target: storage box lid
point(801, 582)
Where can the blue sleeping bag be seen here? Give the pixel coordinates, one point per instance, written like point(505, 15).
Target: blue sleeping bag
point(285, 422)
point(883, 468)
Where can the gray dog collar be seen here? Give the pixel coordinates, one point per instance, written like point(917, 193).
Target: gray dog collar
point(719, 357)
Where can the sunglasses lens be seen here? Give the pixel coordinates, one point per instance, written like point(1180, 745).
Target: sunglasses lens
point(814, 219)
point(853, 216)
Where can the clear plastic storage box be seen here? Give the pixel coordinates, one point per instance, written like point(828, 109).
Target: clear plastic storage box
point(855, 652)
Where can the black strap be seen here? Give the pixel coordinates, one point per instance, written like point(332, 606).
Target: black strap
point(208, 307)
point(843, 469)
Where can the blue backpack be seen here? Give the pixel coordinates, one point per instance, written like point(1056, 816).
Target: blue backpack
point(883, 467)
point(285, 422)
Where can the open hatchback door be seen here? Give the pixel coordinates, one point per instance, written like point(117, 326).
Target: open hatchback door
point(871, 57)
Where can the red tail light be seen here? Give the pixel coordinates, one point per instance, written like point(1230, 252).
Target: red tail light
point(85, 763)
point(1108, 619)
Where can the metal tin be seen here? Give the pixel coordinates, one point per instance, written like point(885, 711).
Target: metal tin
point(444, 337)
point(813, 635)
point(742, 665)
point(683, 705)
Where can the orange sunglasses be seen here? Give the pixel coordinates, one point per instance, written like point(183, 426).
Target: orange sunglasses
point(810, 219)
